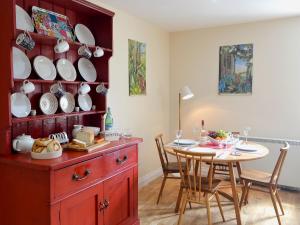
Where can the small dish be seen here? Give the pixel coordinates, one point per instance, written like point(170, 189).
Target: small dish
point(44, 67)
point(48, 103)
point(85, 102)
point(84, 35)
point(66, 70)
point(23, 20)
point(67, 103)
point(20, 105)
point(87, 70)
point(21, 64)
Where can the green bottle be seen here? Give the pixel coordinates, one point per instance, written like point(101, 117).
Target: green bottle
point(109, 121)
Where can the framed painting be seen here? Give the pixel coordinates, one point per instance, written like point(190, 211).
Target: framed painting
point(137, 67)
point(235, 69)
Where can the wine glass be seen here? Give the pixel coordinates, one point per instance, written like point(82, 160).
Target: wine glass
point(178, 136)
point(246, 132)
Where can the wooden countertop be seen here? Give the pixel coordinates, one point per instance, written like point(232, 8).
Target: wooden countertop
point(67, 158)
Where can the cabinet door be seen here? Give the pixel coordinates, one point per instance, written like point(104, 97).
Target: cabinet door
point(118, 196)
point(83, 208)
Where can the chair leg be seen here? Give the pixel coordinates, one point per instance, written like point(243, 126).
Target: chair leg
point(161, 188)
point(279, 201)
point(179, 199)
point(208, 209)
point(182, 209)
point(243, 193)
point(220, 207)
point(275, 205)
point(247, 192)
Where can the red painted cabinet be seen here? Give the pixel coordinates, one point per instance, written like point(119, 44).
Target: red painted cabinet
point(76, 189)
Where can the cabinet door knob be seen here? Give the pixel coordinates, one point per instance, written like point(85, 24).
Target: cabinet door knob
point(106, 203)
point(77, 177)
point(101, 206)
point(121, 161)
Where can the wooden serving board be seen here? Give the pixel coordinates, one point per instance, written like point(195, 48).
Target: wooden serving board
point(89, 148)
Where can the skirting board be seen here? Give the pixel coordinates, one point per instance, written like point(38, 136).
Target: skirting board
point(146, 179)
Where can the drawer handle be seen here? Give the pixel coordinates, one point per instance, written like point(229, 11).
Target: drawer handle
point(101, 206)
point(106, 204)
point(77, 177)
point(121, 161)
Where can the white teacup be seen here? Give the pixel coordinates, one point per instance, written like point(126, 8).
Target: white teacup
point(27, 87)
point(57, 89)
point(101, 89)
point(85, 52)
point(98, 52)
point(84, 89)
point(61, 46)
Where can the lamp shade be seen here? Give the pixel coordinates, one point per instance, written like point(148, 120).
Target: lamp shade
point(186, 93)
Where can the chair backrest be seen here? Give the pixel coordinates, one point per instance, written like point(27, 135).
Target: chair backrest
point(191, 172)
point(161, 151)
point(279, 164)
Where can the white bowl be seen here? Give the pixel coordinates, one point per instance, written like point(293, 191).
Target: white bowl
point(48, 155)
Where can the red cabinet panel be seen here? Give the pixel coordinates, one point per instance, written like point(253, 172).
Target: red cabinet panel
point(83, 208)
point(118, 193)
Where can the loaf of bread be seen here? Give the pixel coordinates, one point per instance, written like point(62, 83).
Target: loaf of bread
point(44, 145)
point(85, 136)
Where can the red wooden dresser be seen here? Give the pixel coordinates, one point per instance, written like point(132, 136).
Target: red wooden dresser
point(77, 189)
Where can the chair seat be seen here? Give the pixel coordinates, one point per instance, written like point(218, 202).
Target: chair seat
point(256, 175)
point(172, 167)
point(204, 184)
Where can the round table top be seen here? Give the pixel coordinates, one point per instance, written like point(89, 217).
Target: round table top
point(225, 156)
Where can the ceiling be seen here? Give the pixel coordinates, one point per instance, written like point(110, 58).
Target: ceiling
point(176, 15)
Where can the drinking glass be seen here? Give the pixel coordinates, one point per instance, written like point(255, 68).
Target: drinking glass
point(246, 132)
point(178, 136)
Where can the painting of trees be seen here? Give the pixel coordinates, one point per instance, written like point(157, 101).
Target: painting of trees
point(235, 69)
point(137, 67)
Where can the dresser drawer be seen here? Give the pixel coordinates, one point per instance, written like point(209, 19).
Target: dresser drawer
point(75, 177)
point(119, 159)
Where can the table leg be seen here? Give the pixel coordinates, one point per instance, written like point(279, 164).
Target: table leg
point(234, 194)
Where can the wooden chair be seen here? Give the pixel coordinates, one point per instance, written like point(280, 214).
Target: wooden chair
point(267, 179)
point(167, 167)
point(197, 189)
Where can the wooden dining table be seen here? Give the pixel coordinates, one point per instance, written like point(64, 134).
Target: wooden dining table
point(225, 156)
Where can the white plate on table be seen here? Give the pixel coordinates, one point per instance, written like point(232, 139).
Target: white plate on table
point(44, 67)
point(48, 103)
point(246, 147)
point(84, 35)
point(21, 64)
point(85, 102)
point(185, 142)
point(20, 105)
point(67, 102)
point(66, 70)
point(87, 70)
point(23, 20)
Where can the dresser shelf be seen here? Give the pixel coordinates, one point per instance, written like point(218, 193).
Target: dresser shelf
point(57, 115)
point(39, 81)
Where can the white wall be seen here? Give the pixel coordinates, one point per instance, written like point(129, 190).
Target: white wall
point(146, 115)
point(272, 110)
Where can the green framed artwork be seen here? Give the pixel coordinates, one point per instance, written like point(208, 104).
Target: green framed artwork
point(137, 67)
point(236, 63)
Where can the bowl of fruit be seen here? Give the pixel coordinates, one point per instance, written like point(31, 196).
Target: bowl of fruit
point(217, 137)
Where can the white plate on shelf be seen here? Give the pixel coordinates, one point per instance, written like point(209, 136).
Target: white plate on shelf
point(87, 70)
point(23, 20)
point(185, 142)
point(21, 64)
point(84, 35)
point(85, 102)
point(66, 70)
point(44, 67)
point(20, 105)
point(67, 102)
point(48, 103)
